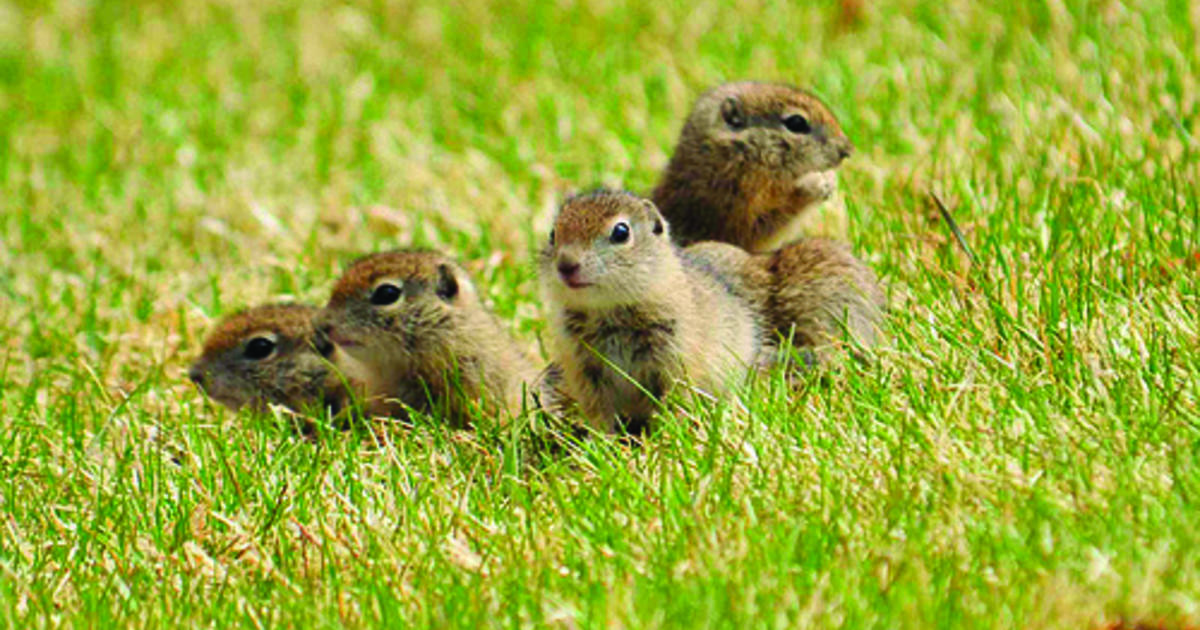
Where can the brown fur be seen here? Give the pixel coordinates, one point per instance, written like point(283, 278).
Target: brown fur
point(813, 291)
point(297, 373)
point(648, 315)
point(549, 392)
point(822, 293)
point(749, 183)
point(436, 349)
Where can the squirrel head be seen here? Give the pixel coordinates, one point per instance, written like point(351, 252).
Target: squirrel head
point(607, 248)
point(389, 309)
point(269, 354)
point(787, 130)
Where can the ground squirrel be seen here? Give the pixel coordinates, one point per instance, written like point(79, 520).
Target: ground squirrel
point(813, 291)
point(414, 324)
point(751, 158)
point(631, 313)
point(270, 354)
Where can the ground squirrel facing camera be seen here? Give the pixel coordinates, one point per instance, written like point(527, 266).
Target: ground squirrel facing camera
point(270, 354)
point(751, 158)
point(631, 313)
point(418, 333)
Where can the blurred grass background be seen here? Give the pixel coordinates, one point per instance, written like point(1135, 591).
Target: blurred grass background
point(1023, 454)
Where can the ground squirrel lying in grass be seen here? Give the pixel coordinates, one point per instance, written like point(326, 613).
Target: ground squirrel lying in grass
point(631, 313)
point(270, 354)
point(812, 291)
point(751, 158)
point(419, 335)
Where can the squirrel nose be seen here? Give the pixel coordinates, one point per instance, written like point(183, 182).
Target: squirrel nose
point(567, 268)
point(197, 376)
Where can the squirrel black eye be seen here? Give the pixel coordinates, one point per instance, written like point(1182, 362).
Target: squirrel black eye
point(797, 124)
point(620, 233)
point(259, 348)
point(552, 237)
point(385, 294)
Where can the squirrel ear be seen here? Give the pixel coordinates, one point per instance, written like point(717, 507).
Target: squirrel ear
point(447, 286)
point(652, 213)
point(731, 112)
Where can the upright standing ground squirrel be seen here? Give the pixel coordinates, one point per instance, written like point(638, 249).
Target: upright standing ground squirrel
point(751, 158)
point(630, 313)
point(270, 354)
point(415, 326)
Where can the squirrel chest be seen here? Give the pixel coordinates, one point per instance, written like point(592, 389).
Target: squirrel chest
point(624, 350)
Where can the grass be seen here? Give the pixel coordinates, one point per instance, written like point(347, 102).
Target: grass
point(1025, 452)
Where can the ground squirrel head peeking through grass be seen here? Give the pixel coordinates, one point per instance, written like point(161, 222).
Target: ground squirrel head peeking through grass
point(750, 159)
point(419, 335)
point(631, 314)
point(269, 354)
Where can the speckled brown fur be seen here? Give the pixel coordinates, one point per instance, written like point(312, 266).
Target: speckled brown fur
point(813, 291)
point(629, 319)
point(746, 184)
point(435, 349)
point(822, 293)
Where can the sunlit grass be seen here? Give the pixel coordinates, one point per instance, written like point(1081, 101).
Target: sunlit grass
point(1025, 452)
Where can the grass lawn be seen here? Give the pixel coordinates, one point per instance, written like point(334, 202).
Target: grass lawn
point(1023, 453)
